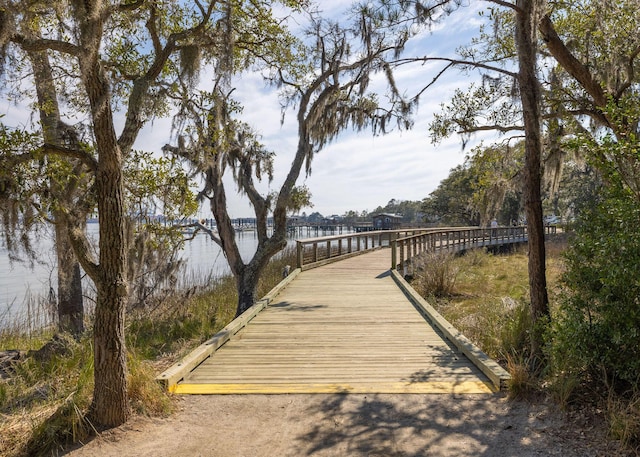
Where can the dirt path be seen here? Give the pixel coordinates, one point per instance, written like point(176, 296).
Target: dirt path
point(350, 425)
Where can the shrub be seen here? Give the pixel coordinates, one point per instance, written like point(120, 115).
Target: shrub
point(438, 273)
point(598, 326)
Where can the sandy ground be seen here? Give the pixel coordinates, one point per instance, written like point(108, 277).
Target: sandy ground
point(351, 425)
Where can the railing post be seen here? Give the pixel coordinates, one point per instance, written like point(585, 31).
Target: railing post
point(300, 253)
point(394, 254)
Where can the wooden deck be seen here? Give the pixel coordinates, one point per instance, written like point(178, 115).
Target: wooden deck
point(343, 327)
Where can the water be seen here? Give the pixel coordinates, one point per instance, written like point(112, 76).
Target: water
point(24, 286)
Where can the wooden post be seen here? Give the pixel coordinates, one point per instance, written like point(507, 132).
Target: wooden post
point(300, 253)
point(394, 254)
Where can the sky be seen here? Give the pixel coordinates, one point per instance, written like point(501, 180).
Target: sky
point(357, 171)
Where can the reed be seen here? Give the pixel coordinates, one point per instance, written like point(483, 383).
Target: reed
point(45, 395)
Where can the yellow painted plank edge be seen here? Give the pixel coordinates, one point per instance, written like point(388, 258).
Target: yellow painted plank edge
point(172, 375)
point(435, 387)
point(498, 375)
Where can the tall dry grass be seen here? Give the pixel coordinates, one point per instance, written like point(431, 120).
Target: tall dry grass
point(488, 302)
point(47, 393)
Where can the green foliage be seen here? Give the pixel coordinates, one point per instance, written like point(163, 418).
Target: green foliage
point(158, 185)
point(487, 185)
point(22, 187)
point(598, 327)
point(409, 210)
point(450, 203)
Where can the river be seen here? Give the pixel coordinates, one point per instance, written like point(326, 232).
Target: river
point(24, 287)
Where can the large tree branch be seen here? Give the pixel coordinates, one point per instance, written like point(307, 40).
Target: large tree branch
point(73, 153)
point(134, 120)
point(506, 4)
point(198, 226)
point(570, 63)
point(456, 62)
point(630, 73)
point(43, 44)
point(498, 128)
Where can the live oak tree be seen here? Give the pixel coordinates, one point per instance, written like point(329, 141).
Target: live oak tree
point(62, 183)
point(450, 203)
point(326, 81)
point(487, 185)
point(109, 56)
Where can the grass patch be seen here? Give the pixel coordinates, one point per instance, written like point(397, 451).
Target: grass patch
point(489, 304)
point(44, 398)
point(488, 298)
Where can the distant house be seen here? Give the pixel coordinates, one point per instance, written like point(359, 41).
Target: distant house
point(386, 221)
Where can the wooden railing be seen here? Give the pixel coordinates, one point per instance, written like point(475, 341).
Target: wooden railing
point(405, 244)
point(313, 252)
point(405, 249)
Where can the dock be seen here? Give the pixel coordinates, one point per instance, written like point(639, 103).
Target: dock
point(350, 326)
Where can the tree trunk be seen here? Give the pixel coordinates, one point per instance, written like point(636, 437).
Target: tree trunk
point(530, 95)
point(70, 301)
point(247, 285)
point(110, 405)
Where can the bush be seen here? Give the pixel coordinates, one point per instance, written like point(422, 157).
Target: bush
point(437, 273)
point(598, 326)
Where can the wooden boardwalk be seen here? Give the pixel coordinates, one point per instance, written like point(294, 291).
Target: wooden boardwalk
point(343, 327)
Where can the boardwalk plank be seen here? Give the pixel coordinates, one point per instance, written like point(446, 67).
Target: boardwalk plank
point(343, 327)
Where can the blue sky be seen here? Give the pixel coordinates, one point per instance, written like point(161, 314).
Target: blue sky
point(357, 171)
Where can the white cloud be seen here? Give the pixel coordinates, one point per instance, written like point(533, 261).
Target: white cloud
point(357, 171)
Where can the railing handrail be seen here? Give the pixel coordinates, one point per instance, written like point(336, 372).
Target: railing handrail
point(325, 249)
point(446, 230)
point(356, 243)
point(353, 234)
point(404, 249)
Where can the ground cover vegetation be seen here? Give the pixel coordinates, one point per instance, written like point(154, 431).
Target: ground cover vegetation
point(568, 107)
point(484, 295)
point(46, 391)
